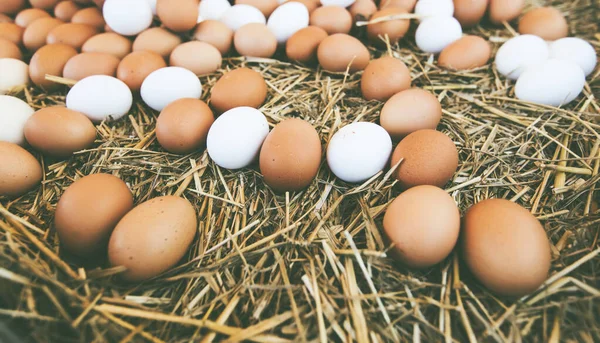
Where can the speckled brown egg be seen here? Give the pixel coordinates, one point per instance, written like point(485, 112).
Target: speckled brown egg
point(505, 10)
point(71, 34)
point(153, 237)
point(90, 63)
point(408, 111)
point(505, 247)
point(5, 19)
point(65, 10)
point(158, 40)
point(239, 87)
point(12, 32)
point(332, 19)
point(545, 22)
point(182, 126)
point(285, 164)
point(311, 5)
point(19, 170)
point(383, 78)
point(408, 5)
point(186, 56)
point(108, 43)
point(255, 40)
point(44, 4)
point(135, 67)
point(470, 12)
point(9, 49)
point(178, 16)
point(51, 60)
point(429, 157)
point(216, 34)
point(28, 16)
point(363, 9)
point(468, 52)
point(36, 33)
point(393, 29)
point(302, 46)
point(339, 52)
point(11, 7)
point(265, 6)
point(422, 240)
point(91, 16)
point(89, 210)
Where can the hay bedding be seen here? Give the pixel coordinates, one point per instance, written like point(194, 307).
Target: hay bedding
point(312, 265)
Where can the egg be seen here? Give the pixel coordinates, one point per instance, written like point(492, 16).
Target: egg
point(285, 164)
point(186, 56)
point(545, 22)
point(363, 9)
point(49, 60)
point(470, 12)
point(182, 126)
point(409, 111)
point(383, 78)
point(90, 16)
point(237, 88)
point(135, 67)
point(153, 237)
point(394, 30)
point(59, 132)
point(11, 6)
point(340, 3)
point(358, 151)
point(178, 16)
point(216, 34)
point(505, 247)
point(576, 50)
point(212, 9)
point(505, 10)
point(35, 35)
point(65, 10)
point(157, 40)
point(310, 5)
point(435, 34)
point(422, 240)
point(339, 52)
point(235, 138)
point(71, 34)
point(108, 43)
point(265, 6)
point(240, 15)
point(90, 63)
point(19, 170)
point(9, 49)
point(14, 75)
point(288, 19)
point(14, 113)
point(332, 19)
point(520, 53)
point(152, 4)
point(44, 4)
point(127, 17)
point(434, 8)
point(428, 157)
point(302, 45)
point(100, 97)
point(466, 53)
point(166, 85)
point(408, 5)
point(11, 32)
point(28, 16)
point(255, 40)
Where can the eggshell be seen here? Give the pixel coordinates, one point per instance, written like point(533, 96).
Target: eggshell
point(505, 247)
point(436, 33)
point(358, 151)
point(19, 170)
point(166, 85)
point(332, 19)
point(59, 132)
point(302, 45)
point(434, 8)
point(186, 56)
point(71, 34)
point(50, 60)
point(28, 16)
point(340, 3)
point(183, 125)
point(14, 112)
point(9, 49)
point(310, 5)
point(90, 63)
point(285, 164)
point(11, 32)
point(339, 52)
point(153, 237)
point(100, 97)
point(178, 16)
point(158, 40)
point(255, 40)
point(235, 138)
point(237, 88)
point(393, 29)
point(108, 43)
point(36, 33)
point(288, 19)
point(520, 53)
point(470, 12)
point(212, 9)
point(5, 19)
point(11, 6)
point(127, 17)
point(90, 16)
point(383, 78)
point(545, 22)
point(135, 67)
point(409, 111)
point(240, 15)
point(408, 5)
point(216, 34)
point(14, 75)
point(422, 240)
point(44, 4)
point(363, 8)
point(65, 10)
point(576, 50)
point(265, 6)
point(505, 10)
point(466, 53)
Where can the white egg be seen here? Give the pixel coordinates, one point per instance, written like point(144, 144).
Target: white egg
point(287, 19)
point(340, 3)
point(235, 138)
point(436, 33)
point(212, 9)
point(358, 151)
point(576, 50)
point(168, 84)
point(100, 97)
point(434, 8)
point(127, 17)
point(240, 15)
point(14, 74)
point(554, 82)
point(14, 113)
point(152, 4)
point(519, 53)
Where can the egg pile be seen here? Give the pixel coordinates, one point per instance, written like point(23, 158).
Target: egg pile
point(112, 51)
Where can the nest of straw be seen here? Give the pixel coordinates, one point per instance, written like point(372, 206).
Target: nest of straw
point(313, 265)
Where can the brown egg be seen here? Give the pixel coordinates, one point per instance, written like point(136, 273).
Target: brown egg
point(36, 33)
point(408, 5)
point(71, 34)
point(545, 22)
point(302, 46)
point(409, 111)
point(216, 34)
point(363, 9)
point(429, 158)
point(179, 16)
point(28, 16)
point(88, 211)
point(65, 10)
point(135, 67)
point(158, 40)
point(332, 19)
point(182, 126)
point(5, 19)
point(51, 60)
point(91, 16)
point(339, 51)
point(255, 40)
point(393, 29)
point(265, 6)
point(44, 4)
point(9, 49)
point(420, 239)
point(186, 56)
point(153, 237)
point(239, 87)
point(383, 78)
point(90, 63)
point(11, 7)
point(19, 170)
point(470, 12)
point(12, 32)
point(505, 247)
point(468, 52)
point(108, 43)
point(505, 10)
point(311, 5)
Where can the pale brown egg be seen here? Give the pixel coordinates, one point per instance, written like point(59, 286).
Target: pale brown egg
point(394, 30)
point(11, 7)
point(302, 46)
point(545, 22)
point(239, 87)
point(12, 32)
point(20, 171)
point(9, 49)
point(44, 4)
point(88, 211)
point(265, 6)
point(468, 52)
point(59, 131)
point(311, 5)
point(51, 60)
point(91, 16)
point(5, 19)
point(255, 40)
point(71, 34)
point(420, 239)
point(135, 67)
point(178, 16)
point(505, 10)
point(153, 237)
point(182, 126)
point(332, 19)
point(186, 56)
point(339, 52)
point(28, 16)
point(216, 34)
point(108, 43)
point(383, 78)
point(470, 12)
point(363, 9)
point(65, 10)
point(157, 40)
point(408, 5)
point(90, 63)
point(409, 111)
point(505, 247)
point(36, 33)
